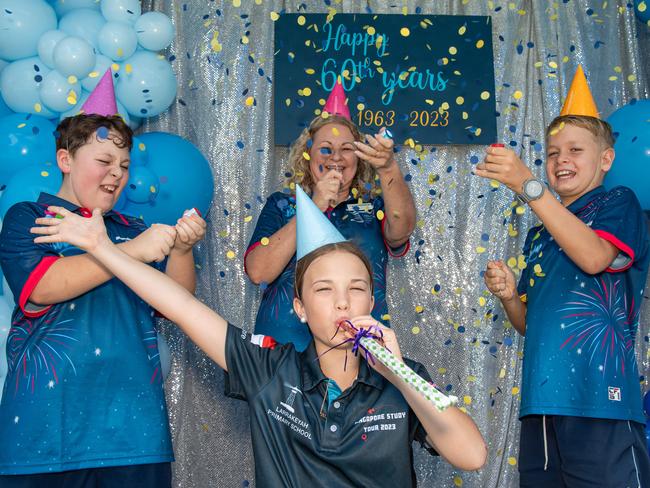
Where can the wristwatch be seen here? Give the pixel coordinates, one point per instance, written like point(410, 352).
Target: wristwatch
point(532, 190)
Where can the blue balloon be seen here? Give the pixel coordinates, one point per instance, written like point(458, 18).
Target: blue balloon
point(74, 56)
point(117, 40)
point(26, 184)
point(631, 166)
point(4, 109)
point(121, 10)
point(19, 84)
point(139, 154)
point(25, 140)
point(85, 23)
point(184, 176)
point(142, 186)
point(57, 93)
point(46, 45)
point(102, 63)
point(147, 86)
point(642, 15)
point(155, 31)
point(62, 7)
point(22, 22)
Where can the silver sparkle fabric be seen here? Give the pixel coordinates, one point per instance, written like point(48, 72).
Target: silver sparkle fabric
point(438, 302)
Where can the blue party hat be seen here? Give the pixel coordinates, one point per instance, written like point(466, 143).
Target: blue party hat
point(313, 230)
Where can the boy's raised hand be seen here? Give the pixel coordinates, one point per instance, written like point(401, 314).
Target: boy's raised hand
point(190, 229)
point(83, 232)
point(154, 244)
point(504, 165)
point(500, 280)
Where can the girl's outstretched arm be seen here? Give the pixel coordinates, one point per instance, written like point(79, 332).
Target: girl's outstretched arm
point(205, 327)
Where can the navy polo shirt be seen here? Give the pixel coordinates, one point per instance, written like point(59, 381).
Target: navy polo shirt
point(357, 222)
point(363, 438)
point(83, 387)
point(579, 353)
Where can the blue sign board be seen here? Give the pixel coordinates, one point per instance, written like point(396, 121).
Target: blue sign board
point(429, 78)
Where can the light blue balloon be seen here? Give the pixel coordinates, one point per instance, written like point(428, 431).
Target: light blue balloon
point(46, 45)
point(117, 40)
point(76, 110)
point(155, 31)
point(134, 122)
point(4, 109)
point(55, 92)
point(102, 63)
point(62, 7)
point(74, 56)
point(121, 10)
point(27, 183)
point(184, 176)
point(85, 23)
point(142, 186)
point(150, 86)
point(22, 23)
point(631, 167)
point(19, 85)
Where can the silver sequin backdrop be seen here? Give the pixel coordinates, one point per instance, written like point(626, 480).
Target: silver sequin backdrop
point(460, 334)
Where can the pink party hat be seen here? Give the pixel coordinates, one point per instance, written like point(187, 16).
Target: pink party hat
point(336, 103)
point(101, 100)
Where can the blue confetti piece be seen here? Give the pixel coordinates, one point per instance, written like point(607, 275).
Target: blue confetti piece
point(102, 133)
point(240, 144)
point(325, 151)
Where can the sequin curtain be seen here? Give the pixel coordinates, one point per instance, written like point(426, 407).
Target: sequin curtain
point(223, 54)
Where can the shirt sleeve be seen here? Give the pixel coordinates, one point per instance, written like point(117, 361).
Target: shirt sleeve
point(417, 430)
point(395, 252)
point(621, 222)
point(278, 210)
point(23, 262)
point(252, 361)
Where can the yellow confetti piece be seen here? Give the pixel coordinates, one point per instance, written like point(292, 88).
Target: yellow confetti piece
point(520, 210)
point(264, 241)
point(512, 262)
point(405, 32)
point(458, 481)
point(465, 116)
point(274, 16)
point(443, 106)
point(380, 215)
point(552, 64)
point(517, 95)
point(93, 74)
point(371, 30)
point(114, 67)
point(415, 330)
point(386, 316)
point(453, 50)
point(142, 147)
point(521, 262)
point(21, 125)
point(45, 174)
point(306, 156)
point(244, 40)
point(462, 30)
point(631, 78)
point(480, 43)
point(471, 378)
point(495, 184)
point(442, 370)
point(72, 79)
point(236, 3)
point(512, 461)
point(419, 309)
point(335, 131)
point(480, 250)
point(467, 400)
point(230, 254)
point(515, 390)
point(249, 101)
point(613, 78)
point(485, 95)
point(72, 98)
point(502, 373)
point(248, 218)
point(287, 102)
point(301, 20)
point(128, 68)
point(641, 7)
point(38, 107)
point(306, 91)
point(531, 282)
point(310, 71)
point(482, 301)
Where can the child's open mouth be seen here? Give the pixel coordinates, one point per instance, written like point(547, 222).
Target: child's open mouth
point(108, 188)
point(564, 174)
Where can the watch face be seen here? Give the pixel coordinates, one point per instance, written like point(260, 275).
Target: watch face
point(533, 188)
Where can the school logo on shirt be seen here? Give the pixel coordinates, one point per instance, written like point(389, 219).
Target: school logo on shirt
point(614, 393)
point(285, 413)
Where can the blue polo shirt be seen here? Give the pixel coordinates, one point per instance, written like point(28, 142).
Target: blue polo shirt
point(579, 354)
point(83, 387)
point(364, 437)
point(357, 222)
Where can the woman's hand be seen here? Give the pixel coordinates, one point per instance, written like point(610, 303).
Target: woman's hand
point(378, 152)
point(326, 190)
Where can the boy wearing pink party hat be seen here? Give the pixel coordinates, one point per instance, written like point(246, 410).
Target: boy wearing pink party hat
point(340, 171)
point(83, 403)
point(577, 303)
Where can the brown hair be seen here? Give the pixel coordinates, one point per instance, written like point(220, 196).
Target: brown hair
point(364, 179)
point(601, 130)
point(74, 132)
point(306, 261)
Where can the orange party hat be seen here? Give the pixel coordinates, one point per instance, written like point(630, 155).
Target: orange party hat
point(579, 100)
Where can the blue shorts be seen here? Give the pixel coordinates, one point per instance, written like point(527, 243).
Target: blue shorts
point(136, 475)
point(558, 451)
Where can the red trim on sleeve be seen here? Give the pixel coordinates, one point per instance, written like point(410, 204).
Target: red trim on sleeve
point(253, 246)
point(33, 280)
point(621, 246)
point(407, 244)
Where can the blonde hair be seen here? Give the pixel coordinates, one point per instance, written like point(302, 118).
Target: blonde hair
point(364, 179)
point(600, 129)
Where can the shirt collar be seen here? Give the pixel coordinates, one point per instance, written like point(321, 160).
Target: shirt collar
point(586, 199)
point(47, 199)
point(312, 375)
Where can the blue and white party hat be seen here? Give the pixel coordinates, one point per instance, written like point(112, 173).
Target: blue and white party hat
point(313, 230)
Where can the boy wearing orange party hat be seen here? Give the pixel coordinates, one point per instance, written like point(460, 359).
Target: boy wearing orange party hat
point(83, 403)
point(577, 303)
